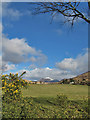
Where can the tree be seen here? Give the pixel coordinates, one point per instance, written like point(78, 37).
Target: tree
point(70, 10)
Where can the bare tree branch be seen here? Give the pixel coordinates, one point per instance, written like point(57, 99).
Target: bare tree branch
point(67, 9)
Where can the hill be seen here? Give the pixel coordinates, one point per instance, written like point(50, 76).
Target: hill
point(48, 80)
point(84, 76)
point(44, 80)
point(80, 79)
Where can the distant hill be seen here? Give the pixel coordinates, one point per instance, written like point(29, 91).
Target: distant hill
point(80, 79)
point(84, 76)
point(48, 80)
point(44, 80)
point(53, 81)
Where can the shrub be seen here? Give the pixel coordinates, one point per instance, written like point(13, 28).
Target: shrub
point(62, 99)
point(11, 86)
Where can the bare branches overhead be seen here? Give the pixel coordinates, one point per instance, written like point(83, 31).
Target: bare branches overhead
point(67, 9)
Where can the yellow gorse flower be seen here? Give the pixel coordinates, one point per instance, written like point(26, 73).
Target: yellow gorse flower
point(13, 74)
point(12, 85)
point(2, 75)
point(5, 83)
point(3, 87)
point(16, 91)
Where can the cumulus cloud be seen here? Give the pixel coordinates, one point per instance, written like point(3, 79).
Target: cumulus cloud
point(0, 63)
point(67, 68)
point(32, 66)
point(33, 59)
point(7, 67)
point(1, 27)
point(0, 11)
point(10, 12)
point(12, 1)
point(0, 37)
point(17, 50)
point(14, 51)
point(77, 65)
point(39, 73)
point(68, 64)
point(0, 47)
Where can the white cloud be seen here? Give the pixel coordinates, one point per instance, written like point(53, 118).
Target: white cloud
point(0, 63)
point(10, 12)
point(0, 38)
point(39, 73)
point(68, 64)
point(0, 11)
point(77, 65)
point(32, 66)
point(0, 47)
point(33, 59)
point(7, 67)
point(1, 29)
point(67, 68)
point(7, 0)
point(17, 50)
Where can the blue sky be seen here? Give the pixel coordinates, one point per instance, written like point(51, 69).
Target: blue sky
point(31, 43)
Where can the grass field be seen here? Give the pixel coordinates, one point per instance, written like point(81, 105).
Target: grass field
point(73, 92)
point(41, 101)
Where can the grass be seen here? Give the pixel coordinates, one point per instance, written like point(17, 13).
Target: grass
point(41, 108)
point(41, 101)
point(46, 94)
point(73, 92)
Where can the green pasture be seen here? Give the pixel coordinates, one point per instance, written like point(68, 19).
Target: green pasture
point(73, 92)
point(41, 101)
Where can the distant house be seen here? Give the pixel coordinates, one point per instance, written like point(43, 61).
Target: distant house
point(45, 82)
point(39, 82)
point(33, 82)
point(71, 83)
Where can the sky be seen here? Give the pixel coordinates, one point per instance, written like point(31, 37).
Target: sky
point(41, 47)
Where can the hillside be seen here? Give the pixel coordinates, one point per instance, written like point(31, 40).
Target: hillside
point(80, 79)
point(84, 76)
point(48, 80)
point(44, 79)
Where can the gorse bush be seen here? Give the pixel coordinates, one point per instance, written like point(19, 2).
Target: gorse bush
point(62, 99)
point(11, 86)
point(27, 107)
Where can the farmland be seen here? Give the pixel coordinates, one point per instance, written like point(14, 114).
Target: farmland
point(73, 92)
point(41, 101)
